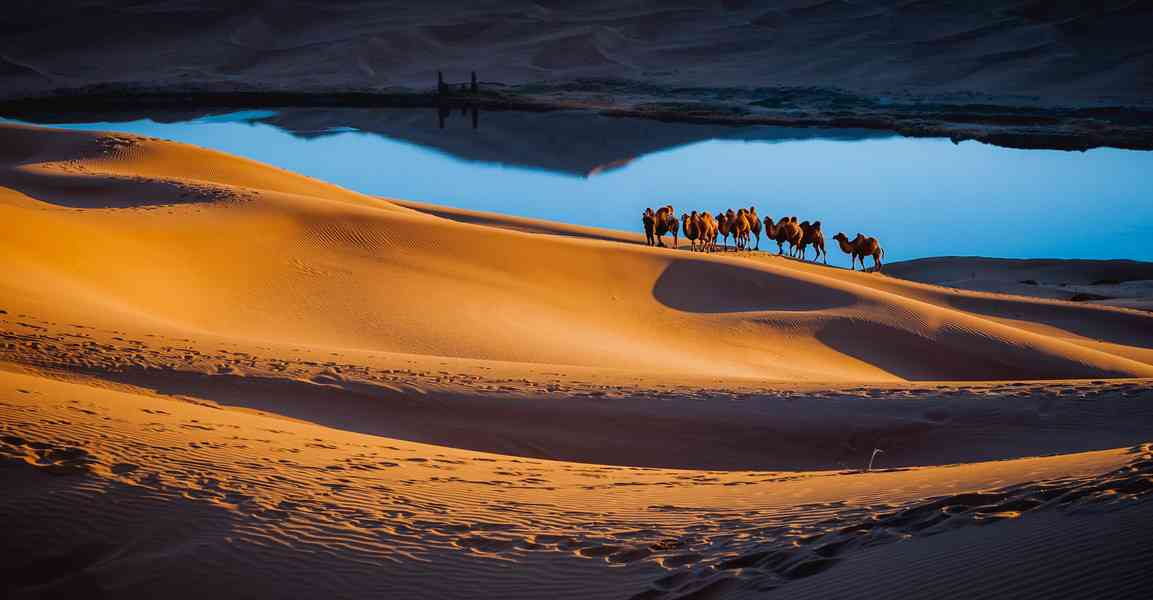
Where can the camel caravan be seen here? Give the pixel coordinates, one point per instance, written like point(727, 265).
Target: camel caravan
point(744, 226)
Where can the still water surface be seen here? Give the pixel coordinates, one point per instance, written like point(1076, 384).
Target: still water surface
point(920, 197)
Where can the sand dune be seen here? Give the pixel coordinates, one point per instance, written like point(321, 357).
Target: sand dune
point(209, 362)
point(273, 248)
point(1067, 50)
point(133, 495)
point(1125, 283)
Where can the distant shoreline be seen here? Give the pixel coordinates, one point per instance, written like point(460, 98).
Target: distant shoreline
point(1007, 122)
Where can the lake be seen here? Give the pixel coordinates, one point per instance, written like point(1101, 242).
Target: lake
point(920, 196)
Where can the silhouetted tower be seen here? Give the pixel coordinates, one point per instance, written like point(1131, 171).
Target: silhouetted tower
point(441, 88)
point(474, 88)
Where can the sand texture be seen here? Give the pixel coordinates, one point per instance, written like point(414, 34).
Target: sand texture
point(1057, 49)
point(222, 378)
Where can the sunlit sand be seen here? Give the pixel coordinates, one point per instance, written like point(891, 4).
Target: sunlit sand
point(222, 378)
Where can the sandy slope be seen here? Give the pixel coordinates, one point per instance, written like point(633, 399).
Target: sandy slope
point(229, 364)
point(220, 245)
point(1064, 49)
point(128, 494)
point(1124, 283)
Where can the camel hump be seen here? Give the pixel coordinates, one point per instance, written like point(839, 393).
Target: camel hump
point(817, 225)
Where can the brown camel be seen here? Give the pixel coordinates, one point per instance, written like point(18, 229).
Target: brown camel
point(743, 229)
point(755, 224)
point(798, 233)
point(724, 227)
point(666, 223)
point(812, 235)
point(689, 223)
point(708, 230)
point(787, 231)
point(859, 248)
point(648, 219)
point(770, 229)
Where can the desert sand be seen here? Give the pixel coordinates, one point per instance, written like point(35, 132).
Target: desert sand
point(1063, 50)
point(220, 377)
point(1125, 283)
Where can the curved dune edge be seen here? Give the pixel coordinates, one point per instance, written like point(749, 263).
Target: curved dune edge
point(129, 495)
point(206, 362)
point(191, 273)
point(209, 243)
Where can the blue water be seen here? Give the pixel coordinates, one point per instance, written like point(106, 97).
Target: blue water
point(920, 197)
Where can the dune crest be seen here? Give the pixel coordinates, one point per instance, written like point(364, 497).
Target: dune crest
point(212, 243)
point(208, 362)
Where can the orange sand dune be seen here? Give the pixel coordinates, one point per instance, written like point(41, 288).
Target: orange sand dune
point(219, 377)
point(122, 494)
point(215, 244)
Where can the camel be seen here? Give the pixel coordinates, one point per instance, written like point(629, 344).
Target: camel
point(724, 227)
point(690, 226)
point(665, 222)
point(770, 229)
point(708, 230)
point(755, 224)
point(798, 235)
point(812, 235)
point(648, 219)
point(785, 231)
point(861, 247)
point(742, 229)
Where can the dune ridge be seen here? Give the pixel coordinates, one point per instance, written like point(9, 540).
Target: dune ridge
point(149, 493)
point(208, 362)
point(194, 213)
point(192, 273)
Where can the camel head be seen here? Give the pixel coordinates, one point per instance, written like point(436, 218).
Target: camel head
point(840, 237)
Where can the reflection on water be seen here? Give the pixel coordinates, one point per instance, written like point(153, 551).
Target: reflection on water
point(920, 197)
point(443, 112)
